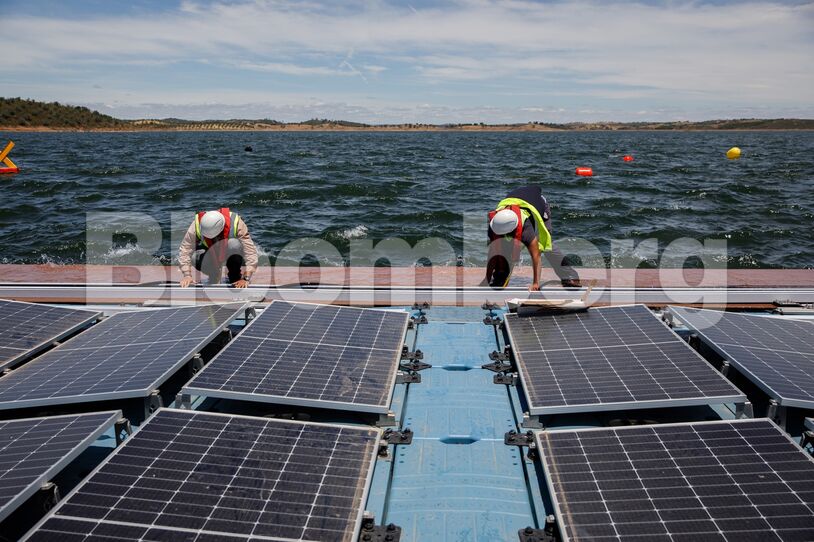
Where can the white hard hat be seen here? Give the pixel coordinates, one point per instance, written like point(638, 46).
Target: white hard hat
point(212, 224)
point(504, 222)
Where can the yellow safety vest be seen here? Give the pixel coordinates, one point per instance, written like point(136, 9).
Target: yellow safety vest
point(543, 235)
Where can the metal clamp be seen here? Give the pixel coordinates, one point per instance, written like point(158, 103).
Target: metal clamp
point(489, 306)
point(405, 436)
point(508, 379)
point(806, 439)
point(408, 355)
point(250, 314)
point(491, 320)
point(371, 532)
point(547, 534)
point(513, 438)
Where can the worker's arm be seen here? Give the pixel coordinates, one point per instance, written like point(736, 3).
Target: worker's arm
point(534, 251)
point(249, 249)
point(185, 252)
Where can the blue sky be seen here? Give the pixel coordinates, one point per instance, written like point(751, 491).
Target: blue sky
point(418, 61)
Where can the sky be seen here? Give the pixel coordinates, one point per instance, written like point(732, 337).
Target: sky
point(421, 61)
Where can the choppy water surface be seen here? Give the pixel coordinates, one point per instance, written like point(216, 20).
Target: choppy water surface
point(343, 186)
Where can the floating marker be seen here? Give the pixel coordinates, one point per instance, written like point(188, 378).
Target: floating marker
point(734, 153)
point(585, 172)
point(4, 159)
point(627, 158)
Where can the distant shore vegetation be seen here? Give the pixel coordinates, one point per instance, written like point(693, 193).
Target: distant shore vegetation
point(30, 115)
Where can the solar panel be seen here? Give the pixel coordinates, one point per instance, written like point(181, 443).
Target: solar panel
point(34, 450)
point(189, 475)
point(127, 355)
point(27, 328)
point(776, 354)
point(737, 480)
point(311, 355)
point(610, 358)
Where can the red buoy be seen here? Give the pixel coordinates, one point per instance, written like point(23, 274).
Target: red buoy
point(585, 171)
point(9, 170)
point(627, 158)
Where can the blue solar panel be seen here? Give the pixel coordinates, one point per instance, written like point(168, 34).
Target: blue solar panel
point(725, 481)
point(189, 475)
point(34, 450)
point(27, 328)
point(610, 358)
point(311, 355)
point(127, 355)
point(776, 354)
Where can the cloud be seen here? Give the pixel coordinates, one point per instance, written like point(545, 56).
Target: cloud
point(747, 54)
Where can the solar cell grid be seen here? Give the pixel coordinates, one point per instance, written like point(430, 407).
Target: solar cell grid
point(200, 476)
point(26, 328)
point(777, 354)
point(311, 355)
point(609, 359)
point(727, 481)
point(126, 355)
point(35, 449)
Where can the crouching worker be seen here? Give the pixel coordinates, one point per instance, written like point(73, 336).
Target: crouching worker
point(213, 239)
point(523, 218)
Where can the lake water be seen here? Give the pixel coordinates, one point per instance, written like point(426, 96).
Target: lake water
point(344, 186)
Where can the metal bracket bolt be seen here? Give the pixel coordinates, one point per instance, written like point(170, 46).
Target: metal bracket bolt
point(371, 532)
point(507, 379)
point(408, 377)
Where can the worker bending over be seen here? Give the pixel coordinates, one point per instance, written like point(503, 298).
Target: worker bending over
point(523, 218)
point(213, 239)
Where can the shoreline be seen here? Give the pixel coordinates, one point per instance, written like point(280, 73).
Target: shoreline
point(382, 129)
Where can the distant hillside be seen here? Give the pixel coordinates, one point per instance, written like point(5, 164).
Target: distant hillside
point(21, 114)
point(16, 112)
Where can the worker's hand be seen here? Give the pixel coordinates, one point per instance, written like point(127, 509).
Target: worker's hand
point(241, 284)
point(535, 287)
point(186, 282)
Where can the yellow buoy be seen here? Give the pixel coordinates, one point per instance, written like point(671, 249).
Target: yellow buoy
point(733, 153)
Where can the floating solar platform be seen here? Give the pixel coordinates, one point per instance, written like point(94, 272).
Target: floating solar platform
point(28, 328)
point(34, 450)
point(776, 354)
point(737, 480)
point(610, 358)
point(320, 356)
point(189, 475)
point(127, 355)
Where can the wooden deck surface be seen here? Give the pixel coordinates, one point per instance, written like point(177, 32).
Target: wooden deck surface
point(408, 276)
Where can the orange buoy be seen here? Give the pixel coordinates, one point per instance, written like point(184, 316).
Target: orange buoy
point(627, 158)
point(9, 170)
point(585, 172)
point(11, 167)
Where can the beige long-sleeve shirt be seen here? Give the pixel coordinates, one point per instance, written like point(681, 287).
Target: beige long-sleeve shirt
point(190, 242)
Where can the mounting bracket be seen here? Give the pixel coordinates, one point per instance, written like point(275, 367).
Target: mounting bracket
point(547, 534)
point(154, 401)
point(489, 306)
point(497, 367)
point(386, 420)
point(513, 438)
point(183, 400)
point(406, 354)
point(195, 364)
point(48, 496)
point(414, 366)
point(371, 532)
point(777, 413)
point(508, 379)
point(806, 439)
point(421, 307)
point(491, 320)
point(725, 367)
point(408, 377)
point(122, 426)
point(531, 422)
point(405, 436)
point(744, 410)
point(250, 314)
